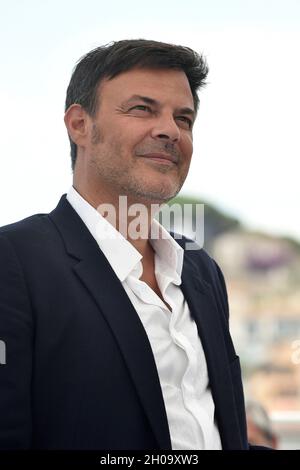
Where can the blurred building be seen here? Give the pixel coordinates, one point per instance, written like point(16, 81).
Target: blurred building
point(262, 275)
point(263, 278)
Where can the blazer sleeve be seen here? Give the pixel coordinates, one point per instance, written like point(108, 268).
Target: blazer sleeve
point(16, 336)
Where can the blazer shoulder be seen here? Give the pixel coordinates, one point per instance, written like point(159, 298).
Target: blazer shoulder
point(197, 255)
point(30, 234)
point(33, 222)
point(37, 229)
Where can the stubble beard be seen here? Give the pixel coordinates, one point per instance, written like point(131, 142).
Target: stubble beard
point(124, 183)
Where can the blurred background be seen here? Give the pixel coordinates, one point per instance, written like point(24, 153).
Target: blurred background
point(245, 166)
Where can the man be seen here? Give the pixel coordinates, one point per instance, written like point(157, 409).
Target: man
point(113, 340)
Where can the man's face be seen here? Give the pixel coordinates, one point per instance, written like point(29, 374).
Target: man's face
point(140, 142)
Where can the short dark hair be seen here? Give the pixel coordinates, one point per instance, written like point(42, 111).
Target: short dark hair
point(112, 59)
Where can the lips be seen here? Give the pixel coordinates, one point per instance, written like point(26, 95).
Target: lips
point(165, 158)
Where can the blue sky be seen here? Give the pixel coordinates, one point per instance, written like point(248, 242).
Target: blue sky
point(247, 150)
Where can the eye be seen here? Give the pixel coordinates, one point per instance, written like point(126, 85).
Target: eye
point(186, 120)
point(141, 107)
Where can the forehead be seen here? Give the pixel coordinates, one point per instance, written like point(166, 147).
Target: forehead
point(159, 84)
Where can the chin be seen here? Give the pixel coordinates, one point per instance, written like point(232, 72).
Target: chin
point(163, 187)
point(161, 196)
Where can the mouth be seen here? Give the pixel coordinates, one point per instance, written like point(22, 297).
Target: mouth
point(161, 158)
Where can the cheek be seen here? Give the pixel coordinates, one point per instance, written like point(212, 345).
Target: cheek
point(187, 150)
point(127, 137)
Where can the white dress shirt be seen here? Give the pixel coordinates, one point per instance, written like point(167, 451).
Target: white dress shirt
point(173, 335)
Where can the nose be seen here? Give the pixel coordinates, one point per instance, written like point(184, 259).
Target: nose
point(166, 128)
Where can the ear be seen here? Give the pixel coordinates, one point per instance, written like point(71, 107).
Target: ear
point(77, 123)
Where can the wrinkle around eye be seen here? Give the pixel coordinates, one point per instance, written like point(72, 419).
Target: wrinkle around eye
point(139, 113)
point(140, 108)
point(186, 121)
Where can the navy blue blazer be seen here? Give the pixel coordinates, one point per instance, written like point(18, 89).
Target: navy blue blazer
point(80, 372)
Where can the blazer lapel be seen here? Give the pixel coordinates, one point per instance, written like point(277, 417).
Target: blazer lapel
point(99, 278)
point(199, 296)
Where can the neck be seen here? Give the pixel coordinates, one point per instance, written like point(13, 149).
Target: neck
point(133, 222)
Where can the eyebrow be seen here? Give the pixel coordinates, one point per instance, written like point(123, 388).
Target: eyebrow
point(153, 102)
